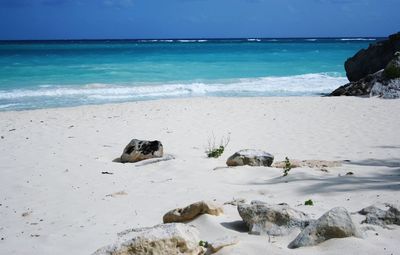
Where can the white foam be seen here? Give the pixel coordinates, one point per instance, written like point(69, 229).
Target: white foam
point(4, 106)
point(191, 41)
point(357, 39)
point(306, 84)
point(254, 40)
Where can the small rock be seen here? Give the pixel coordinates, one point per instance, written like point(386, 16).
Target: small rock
point(235, 201)
point(26, 214)
point(268, 219)
point(251, 158)
point(218, 244)
point(335, 223)
point(377, 216)
point(349, 173)
point(116, 194)
point(192, 211)
point(138, 150)
point(173, 238)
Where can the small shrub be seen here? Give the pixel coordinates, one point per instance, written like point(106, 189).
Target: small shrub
point(309, 202)
point(203, 243)
point(392, 71)
point(215, 151)
point(287, 167)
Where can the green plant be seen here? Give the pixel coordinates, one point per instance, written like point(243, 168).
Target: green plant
point(203, 243)
point(215, 151)
point(287, 167)
point(309, 202)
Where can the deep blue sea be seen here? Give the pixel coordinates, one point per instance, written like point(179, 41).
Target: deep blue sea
point(43, 74)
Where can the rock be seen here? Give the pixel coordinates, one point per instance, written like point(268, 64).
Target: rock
point(388, 89)
point(373, 59)
point(376, 84)
point(192, 211)
point(218, 244)
point(361, 87)
point(163, 239)
point(335, 223)
point(138, 150)
point(251, 158)
point(392, 70)
point(276, 220)
point(389, 86)
point(377, 216)
point(235, 201)
point(375, 71)
point(308, 163)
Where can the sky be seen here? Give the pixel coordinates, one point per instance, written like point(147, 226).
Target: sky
point(135, 19)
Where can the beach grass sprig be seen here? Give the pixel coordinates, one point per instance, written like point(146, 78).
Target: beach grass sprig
point(215, 151)
point(287, 167)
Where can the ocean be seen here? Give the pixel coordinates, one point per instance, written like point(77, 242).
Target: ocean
point(46, 74)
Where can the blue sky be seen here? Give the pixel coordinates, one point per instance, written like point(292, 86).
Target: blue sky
point(97, 19)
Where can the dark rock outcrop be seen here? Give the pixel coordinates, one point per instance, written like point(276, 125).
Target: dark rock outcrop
point(373, 59)
point(361, 87)
point(384, 83)
point(138, 150)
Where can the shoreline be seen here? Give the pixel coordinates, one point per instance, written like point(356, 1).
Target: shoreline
point(195, 98)
point(55, 199)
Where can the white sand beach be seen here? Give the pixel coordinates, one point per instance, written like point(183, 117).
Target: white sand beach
point(54, 198)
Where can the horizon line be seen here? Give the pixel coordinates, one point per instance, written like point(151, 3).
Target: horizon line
point(192, 38)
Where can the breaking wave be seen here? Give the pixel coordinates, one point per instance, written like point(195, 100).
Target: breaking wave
point(55, 96)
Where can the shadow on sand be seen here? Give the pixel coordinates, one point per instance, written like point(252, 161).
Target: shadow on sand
point(238, 226)
point(386, 177)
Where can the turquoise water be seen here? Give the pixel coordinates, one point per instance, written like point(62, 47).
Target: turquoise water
point(68, 73)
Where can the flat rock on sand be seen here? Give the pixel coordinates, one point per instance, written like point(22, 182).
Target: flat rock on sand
point(192, 211)
point(308, 163)
point(268, 219)
point(163, 239)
